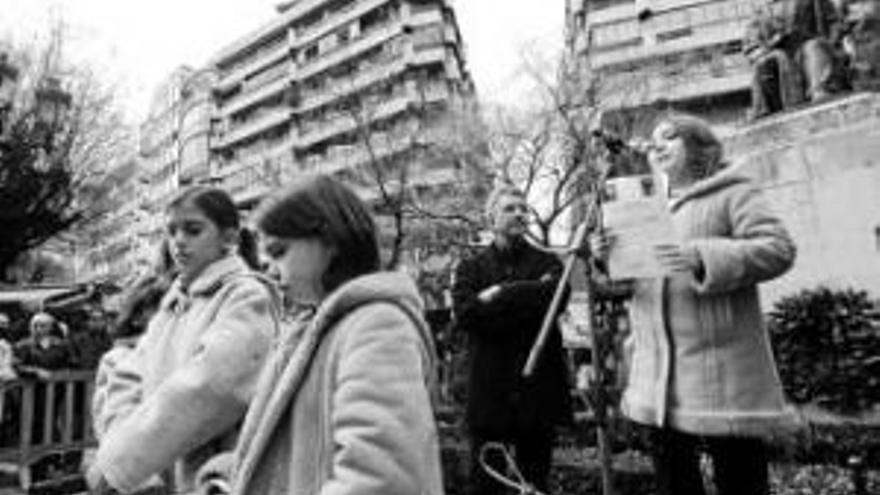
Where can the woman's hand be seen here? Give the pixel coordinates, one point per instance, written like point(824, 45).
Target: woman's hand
point(599, 244)
point(679, 258)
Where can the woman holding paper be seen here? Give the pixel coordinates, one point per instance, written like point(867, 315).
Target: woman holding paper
point(702, 371)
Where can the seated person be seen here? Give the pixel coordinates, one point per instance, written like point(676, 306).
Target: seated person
point(817, 31)
point(776, 82)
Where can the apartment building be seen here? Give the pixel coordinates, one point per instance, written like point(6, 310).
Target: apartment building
point(195, 107)
point(297, 94)
point(114, 245)
point(687, 53)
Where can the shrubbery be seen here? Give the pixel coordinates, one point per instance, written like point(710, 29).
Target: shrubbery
point(827, 345)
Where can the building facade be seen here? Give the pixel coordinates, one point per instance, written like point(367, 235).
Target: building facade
point(685, 53)
point(329, 85)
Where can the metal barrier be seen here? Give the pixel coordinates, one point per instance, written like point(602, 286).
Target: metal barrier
point(44, 413)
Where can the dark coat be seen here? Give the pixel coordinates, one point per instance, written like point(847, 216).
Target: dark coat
point(501, 333)
point(56, 356)
point(87, 347)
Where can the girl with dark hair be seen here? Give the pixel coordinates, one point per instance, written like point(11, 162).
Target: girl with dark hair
point(702, 373)
point(345, 404)
point(179, 397)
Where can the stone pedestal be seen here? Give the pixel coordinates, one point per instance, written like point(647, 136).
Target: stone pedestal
point(820, 168)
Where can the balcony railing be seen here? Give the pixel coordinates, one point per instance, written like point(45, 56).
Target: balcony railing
point(351, 12)
point(710, 22)
point(338, 88)
point(377, 35)
point(42, 415)
point(257, 61)
point(264, 120)
point(256, 94)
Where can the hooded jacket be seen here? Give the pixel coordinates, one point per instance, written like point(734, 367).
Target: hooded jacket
point(344, 405)
point(178, 398)
point(702, 361)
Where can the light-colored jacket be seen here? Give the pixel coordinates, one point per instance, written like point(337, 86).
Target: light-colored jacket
point(179, 397)
point(344, 406)
point(702, 361)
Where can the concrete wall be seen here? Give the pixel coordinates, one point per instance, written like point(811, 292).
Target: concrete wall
point(820, 167)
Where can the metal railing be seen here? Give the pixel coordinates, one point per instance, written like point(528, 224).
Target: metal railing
point(44, 413)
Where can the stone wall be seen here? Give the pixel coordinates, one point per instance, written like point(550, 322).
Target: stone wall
point(820, 167)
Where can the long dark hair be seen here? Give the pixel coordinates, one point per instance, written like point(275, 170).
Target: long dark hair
point(321, 207)
point(218, 206)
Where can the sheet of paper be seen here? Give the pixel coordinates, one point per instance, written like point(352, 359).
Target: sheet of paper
point(638, 221)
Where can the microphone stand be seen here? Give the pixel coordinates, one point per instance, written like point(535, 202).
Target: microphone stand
point(604, 314)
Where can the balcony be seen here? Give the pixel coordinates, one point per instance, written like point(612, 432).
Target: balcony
point(248, 158)
point(705, 35)
point(337, 19)
point(710, 22)
point(353, 157)
point(432, 14)
point(634, 89)
point(265, 120)
point(341, 87)
point(258, 61)
point(396, 104)
point(257, 95)
point(253, 182)
point(342, 53)
point(622, 10)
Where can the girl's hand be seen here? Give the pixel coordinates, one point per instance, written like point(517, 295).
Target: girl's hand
point(601, 243)
point(679, 258)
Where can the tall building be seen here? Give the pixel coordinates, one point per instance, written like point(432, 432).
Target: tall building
point(687, 53)
point(330, 86)
point(118, 244)
point(308, 90)
point(174, 142)
point(195, 110)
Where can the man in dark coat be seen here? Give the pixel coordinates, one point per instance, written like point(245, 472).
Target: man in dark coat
point(500, 297)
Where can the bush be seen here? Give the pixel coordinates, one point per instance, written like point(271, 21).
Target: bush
point(827, 347)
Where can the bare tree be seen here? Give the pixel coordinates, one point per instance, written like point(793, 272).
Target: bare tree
point(425, 167)
point(550, 149)
point(54, 163)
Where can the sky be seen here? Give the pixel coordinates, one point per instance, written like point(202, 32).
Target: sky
point(136, 44)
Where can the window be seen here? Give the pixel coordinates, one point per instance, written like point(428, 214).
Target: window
point(310, 52)
point(343, 35)
point(674, 34)
point(604, 4)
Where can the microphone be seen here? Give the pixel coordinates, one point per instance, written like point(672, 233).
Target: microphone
point(616, 144)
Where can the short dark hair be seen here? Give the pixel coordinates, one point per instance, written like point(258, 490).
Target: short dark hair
point(220, 208)
point(319, 206)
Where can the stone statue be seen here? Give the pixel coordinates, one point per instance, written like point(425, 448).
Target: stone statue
point(797, 54)
point(862, 43)
point(817, 32)
point(776, 80)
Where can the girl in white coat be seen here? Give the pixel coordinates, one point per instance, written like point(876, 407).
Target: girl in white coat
point(344, 405)
point(179, 397)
